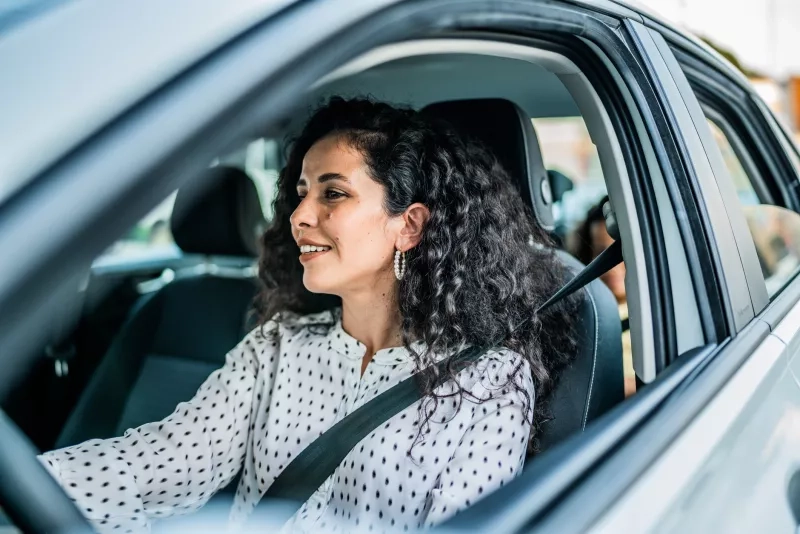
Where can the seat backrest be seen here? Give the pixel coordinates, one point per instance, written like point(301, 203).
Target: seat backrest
point(175, 337)
point(593, 383)
point(503, 127)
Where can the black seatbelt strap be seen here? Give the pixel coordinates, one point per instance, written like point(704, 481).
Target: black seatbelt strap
point(309, 469)
point(306, 473)
point(604, 262)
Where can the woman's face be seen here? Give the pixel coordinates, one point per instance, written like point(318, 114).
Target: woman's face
point(341, 212)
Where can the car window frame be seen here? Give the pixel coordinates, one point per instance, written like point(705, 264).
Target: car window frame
point(738, 256)
point(557, 18)
point(752, 125)
point(718, 363)
point(739, 107)
point(780, 131)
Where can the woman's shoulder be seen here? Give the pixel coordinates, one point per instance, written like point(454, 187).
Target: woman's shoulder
point(498, 368)
point(503, 359)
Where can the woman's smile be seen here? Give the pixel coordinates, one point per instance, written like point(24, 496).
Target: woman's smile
point(310, 250)
point(310, 255)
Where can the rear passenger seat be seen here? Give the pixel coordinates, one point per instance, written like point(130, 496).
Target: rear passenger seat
point(175, 337)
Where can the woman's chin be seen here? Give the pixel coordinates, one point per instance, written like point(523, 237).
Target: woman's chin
point(315, 285)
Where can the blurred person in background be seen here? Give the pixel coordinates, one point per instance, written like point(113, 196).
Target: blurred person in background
point(587, 241)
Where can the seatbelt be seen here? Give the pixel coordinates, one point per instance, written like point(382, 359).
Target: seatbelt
point(311, 468)
point(307, 472)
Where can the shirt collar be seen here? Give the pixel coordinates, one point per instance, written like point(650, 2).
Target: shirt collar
point(353, 349)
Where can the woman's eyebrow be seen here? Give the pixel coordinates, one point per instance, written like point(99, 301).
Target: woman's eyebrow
point(328, 176)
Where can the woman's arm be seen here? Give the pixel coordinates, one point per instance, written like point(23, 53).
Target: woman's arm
point(172, 466)
point(492, 450)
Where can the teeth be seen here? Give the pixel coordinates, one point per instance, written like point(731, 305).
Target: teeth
point(306, 249)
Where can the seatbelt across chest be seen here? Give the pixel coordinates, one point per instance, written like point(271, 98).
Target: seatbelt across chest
point(309, 469)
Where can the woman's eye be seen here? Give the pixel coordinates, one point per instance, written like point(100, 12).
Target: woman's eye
point(332, 194)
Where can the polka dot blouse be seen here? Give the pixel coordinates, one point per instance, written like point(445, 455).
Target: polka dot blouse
point(272, 398)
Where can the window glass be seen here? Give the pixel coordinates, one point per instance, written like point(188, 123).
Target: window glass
point(151, 236)
point(776, 233)
point(775, 230)
point(576, 176)
point(744, 187)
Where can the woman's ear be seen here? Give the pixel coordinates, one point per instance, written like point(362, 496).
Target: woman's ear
point(414, 218)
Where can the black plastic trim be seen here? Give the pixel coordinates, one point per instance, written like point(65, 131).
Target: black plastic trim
point(665, 337)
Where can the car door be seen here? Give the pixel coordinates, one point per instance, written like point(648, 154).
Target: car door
point(733, 467)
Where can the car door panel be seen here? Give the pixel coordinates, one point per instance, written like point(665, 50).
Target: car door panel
point(731, 469)
point(723, 444)
point(742, 487)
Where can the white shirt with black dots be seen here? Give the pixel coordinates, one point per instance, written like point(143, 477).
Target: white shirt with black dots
point(271, 399)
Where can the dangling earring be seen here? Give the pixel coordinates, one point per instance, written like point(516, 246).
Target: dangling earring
point(399, 264)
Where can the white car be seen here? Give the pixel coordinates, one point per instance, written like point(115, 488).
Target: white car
point(110, 107)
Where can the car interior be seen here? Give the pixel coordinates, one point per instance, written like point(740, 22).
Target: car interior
point(156, 313)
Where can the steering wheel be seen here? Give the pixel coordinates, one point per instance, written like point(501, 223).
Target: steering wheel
point(28, 494)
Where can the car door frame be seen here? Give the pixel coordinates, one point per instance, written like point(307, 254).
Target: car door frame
point(701, 372)
point(734, 100)
point(149, 167)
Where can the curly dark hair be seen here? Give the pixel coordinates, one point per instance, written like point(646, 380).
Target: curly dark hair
point(481, 268)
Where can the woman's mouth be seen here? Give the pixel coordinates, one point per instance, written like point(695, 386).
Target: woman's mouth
point(309, 252)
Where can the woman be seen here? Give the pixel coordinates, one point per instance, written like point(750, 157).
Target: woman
point(586, 243)
point(395, 243)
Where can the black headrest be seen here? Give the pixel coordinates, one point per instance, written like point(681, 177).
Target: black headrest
point(222, 218)
point(508, 132)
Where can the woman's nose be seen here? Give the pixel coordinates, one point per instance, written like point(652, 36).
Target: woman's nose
point(304, 215)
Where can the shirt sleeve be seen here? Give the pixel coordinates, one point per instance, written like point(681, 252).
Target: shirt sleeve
point(169, 467)
point(493, 448)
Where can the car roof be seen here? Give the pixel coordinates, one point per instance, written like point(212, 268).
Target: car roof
point(83, 63)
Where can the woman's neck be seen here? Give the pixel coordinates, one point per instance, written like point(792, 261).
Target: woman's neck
point(375, 322)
